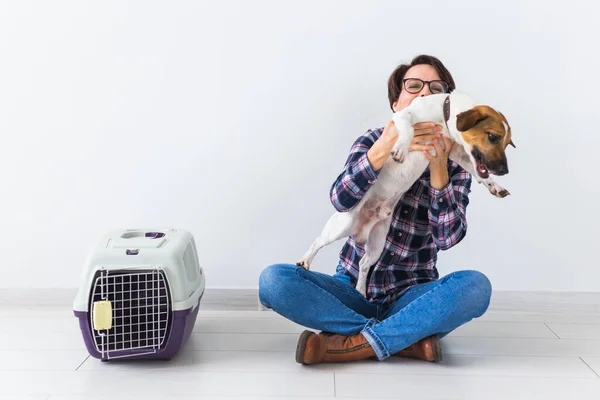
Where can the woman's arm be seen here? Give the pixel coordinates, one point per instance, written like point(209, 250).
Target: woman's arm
point(449, 192)
point(357, 176)
point(447, 212)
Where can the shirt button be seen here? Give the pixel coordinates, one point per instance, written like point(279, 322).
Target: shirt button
point(441, 200)
point(392, 253)
point(399, 233)
point(405, 211)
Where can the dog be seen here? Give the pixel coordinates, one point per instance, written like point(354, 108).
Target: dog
point(481, 134)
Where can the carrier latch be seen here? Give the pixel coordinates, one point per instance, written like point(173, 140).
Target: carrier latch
point(102, 315)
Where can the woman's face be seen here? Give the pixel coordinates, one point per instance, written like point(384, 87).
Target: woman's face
point(425, 73)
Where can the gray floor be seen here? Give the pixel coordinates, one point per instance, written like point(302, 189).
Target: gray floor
point(527, 346)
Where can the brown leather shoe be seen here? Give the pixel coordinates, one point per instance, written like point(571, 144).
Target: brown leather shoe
point(428, 349)
point(331, 348)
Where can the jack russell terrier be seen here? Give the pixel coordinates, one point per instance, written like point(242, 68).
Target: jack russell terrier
point(482, 135)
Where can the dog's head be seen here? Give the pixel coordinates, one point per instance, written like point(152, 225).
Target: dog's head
point(486, 134)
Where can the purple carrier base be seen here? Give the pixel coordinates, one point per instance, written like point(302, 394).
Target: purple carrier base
point(181, 328)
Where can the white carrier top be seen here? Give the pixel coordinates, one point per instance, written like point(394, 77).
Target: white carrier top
point(170, 250)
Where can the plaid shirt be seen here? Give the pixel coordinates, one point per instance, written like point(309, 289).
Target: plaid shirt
point(425, 221)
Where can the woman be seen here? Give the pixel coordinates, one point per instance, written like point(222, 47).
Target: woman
point(408, 308)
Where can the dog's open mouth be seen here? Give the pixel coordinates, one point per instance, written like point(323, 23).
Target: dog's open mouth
point(479, 164)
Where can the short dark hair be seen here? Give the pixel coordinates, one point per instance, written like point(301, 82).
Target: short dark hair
point(395, 80)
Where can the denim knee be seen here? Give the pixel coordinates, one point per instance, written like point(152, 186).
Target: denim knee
point(477, 291)
point(270, 281)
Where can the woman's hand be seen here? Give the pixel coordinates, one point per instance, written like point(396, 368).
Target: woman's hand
point(380, 151)
point(442, 145)
point(438, 164)
point(424, 132)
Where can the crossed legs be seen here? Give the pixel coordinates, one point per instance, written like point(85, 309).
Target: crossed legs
point(331, 304)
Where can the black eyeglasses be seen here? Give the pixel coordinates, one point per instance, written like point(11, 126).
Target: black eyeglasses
point(414, 85)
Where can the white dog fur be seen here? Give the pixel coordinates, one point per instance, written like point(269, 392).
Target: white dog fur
point(398, 174)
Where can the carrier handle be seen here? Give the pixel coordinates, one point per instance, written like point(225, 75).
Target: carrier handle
point(146, 234)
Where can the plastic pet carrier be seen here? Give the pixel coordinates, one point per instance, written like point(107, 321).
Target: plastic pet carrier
point(139, 294)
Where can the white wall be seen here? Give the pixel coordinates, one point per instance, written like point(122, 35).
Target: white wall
point(229, 118)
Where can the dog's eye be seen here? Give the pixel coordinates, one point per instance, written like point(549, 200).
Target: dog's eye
point(493, 138)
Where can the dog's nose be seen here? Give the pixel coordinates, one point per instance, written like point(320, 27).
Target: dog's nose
point(502, 169)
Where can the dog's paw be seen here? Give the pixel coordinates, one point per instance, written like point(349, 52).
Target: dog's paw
point(497, 190)
point(503, 193)
point(397, 155)
point(304, 264)
point(400, 150)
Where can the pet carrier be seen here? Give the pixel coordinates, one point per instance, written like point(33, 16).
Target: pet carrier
point(139, 294)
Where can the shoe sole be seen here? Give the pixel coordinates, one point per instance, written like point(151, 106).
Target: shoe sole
point(302, 345)
point(437, 348)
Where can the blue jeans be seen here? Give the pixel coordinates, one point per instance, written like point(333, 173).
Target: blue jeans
point(331, 304)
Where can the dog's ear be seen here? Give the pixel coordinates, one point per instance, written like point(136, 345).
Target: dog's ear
point(510, 142)
point(468, 119)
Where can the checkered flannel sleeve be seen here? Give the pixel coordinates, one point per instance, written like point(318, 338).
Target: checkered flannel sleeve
point(447, 212)
point(357, 176)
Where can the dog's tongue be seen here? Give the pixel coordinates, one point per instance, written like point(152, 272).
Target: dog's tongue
point(482, 169)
